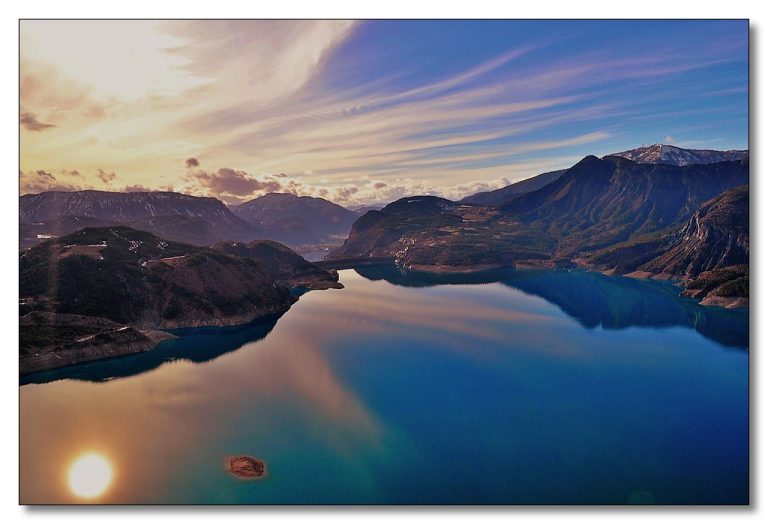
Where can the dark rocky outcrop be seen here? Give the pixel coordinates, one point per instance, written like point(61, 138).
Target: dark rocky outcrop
point(716, 236)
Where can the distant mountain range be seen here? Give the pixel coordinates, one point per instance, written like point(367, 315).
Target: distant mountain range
point(655, 154)
point(677, 156)
point(194, 220)
point(297, 220)
point(599, 202)
point(676, 214)
point(612, 213)
point(174, 216)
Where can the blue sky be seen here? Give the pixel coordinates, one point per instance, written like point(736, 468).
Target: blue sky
point(365, 111)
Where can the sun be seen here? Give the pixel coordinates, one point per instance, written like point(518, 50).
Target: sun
point(90, 475)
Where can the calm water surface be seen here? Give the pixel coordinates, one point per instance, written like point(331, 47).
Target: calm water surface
point(518, 387)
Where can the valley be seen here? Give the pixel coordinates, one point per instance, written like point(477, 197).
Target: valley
point(113, 272)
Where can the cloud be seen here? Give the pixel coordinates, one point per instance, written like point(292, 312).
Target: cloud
point(40, 180)
point(105, 176)
point(344, 193)
point(30, 122)
point(138, 188)
point(476, 186)
point(293, 103)
point(228, 182)
point(261, 60)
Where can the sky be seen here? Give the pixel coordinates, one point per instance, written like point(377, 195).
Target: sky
point(362, 112)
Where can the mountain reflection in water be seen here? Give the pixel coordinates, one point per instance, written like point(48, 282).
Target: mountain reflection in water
point(594, 299)
point(380, 393)
point(194, 345)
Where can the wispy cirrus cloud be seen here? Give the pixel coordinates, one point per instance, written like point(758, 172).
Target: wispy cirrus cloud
point(362, 111)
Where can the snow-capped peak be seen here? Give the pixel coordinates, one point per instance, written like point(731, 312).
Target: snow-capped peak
point(678, 156)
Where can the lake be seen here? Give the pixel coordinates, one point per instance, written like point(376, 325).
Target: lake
point(528, 387)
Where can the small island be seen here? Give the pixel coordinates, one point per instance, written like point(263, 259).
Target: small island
point(245, 467)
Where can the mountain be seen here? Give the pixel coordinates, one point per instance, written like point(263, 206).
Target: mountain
point(143, 283)
point(31, 234)
point(716, 236)
point(600, 202)
point(199, 221)
point(296, 220)
point(503, 195)
point(594, 208)
point(284, 265)
point(175, 216)
point(432, 233)
point(677, 156)
point(655, 154)
point(132, 276)
point(710, 251)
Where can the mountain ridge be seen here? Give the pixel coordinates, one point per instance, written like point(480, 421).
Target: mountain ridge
point(503, 195)
point(203, 218)
point(678, 156)
point(595, 206)
point(121, 285)
point(297, 219)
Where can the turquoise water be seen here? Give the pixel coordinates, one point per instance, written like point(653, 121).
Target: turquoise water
point(533, 387)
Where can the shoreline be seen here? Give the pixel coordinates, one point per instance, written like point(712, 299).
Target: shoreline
point(102, 347)
point(530, 265)
point(140, 337)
